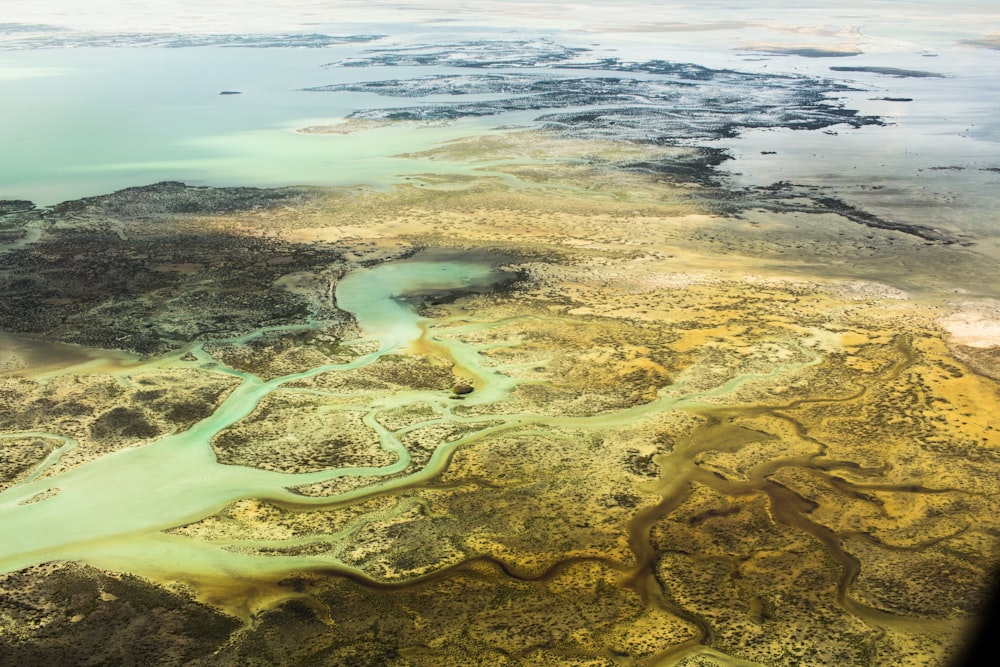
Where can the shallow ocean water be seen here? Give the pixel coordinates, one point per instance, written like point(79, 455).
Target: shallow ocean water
point(90, 121)
point(84, 121)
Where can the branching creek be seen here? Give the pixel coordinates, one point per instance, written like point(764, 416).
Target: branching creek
point(112, 512)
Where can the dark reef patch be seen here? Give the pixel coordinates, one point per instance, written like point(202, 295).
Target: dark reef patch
point(988, 42)
point(867, 219)
point(805, 52)
point(786, 197)
point(686, 102)
point(668, 104)
point(474, 53)
point(21, 28)
point(696, 167)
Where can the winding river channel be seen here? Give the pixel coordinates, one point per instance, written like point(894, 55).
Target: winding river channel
point(114, 504)
point(112, 512)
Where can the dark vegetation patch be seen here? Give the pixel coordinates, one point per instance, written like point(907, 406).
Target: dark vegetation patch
point(151, 290)
point(75, 615)
point(8, 206)
point(152, 202)
point(122, 422)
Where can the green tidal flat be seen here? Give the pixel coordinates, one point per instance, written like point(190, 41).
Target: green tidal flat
point(530, 372)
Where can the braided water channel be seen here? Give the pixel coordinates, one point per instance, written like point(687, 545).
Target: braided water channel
point(120, 500)
point(112, 512)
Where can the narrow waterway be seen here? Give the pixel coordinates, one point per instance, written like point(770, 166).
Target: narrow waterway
point(137, 492)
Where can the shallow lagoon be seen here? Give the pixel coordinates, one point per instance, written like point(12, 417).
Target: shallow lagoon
point(94, 120)
point(90, 121)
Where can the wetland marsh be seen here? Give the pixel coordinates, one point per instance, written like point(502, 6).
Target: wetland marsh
point(572, 372)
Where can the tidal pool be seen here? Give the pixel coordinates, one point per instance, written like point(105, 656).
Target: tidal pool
point(380, 297)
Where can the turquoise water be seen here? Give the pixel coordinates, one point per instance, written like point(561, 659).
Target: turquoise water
point(83, 122)
point(177, 479)
point(375, 295)
point(111, 511)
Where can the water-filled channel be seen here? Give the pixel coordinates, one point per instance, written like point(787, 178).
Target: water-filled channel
point(119, 503)
point(114, 512)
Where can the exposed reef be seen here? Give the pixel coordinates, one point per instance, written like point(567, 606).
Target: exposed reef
point(806, 51)
point(15, 28)
point(787, 197)
point(475, 53)
point(988, 42)
point(678, 107)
